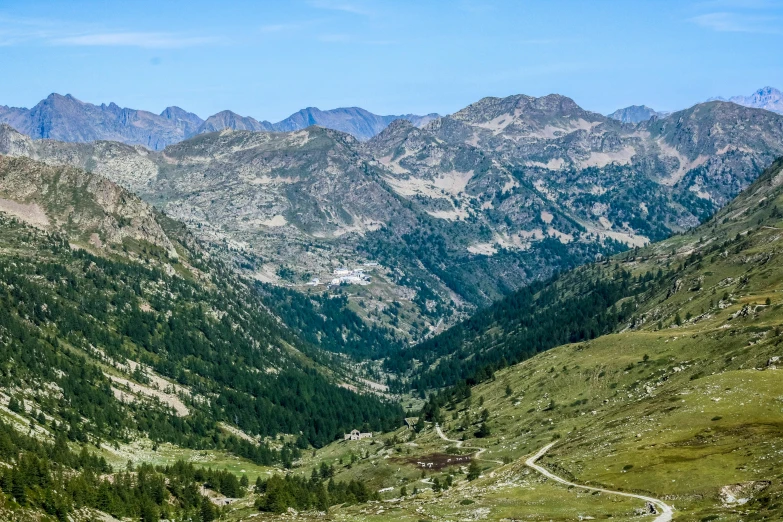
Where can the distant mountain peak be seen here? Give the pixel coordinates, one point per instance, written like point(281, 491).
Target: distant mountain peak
point(768, 98)
point(174, 112)
point(360, 123)
point(58, 96)
point(636, 114)
point(231, 120)
point(768, 90)
point(525, 110)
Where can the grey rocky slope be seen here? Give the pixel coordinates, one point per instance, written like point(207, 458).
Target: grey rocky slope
point(768, 98)
point(64, 118)
point(89, 209)
point(636, 114)
point(614, 179)
point(458, 212)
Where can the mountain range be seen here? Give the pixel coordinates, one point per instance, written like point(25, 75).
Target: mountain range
point(65, 118)
point(768, 98)
point(456, 213)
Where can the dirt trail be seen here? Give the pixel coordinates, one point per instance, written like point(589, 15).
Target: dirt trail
point(665, 511)
point(477, 455)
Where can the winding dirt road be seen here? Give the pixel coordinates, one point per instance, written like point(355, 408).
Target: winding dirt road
point(476, 455)
point(665, 511)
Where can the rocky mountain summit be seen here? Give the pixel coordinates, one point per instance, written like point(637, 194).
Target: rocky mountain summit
point(614, 179)
point(636, 114)
point(768, 98)
point(456, 213)
point(64, 118)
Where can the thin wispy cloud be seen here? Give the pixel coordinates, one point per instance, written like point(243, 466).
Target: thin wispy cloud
point(736, 22)
point(290, 27)
point(133, 39)
point(381, 42)
point(15, 30)
point(358, 8)
point(541, 41)
point(25, 31)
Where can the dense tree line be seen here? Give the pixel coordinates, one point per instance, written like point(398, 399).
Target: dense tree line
point(52, 478)
point(326, 321)
point(280, 493)
point(60, 309)
point(538, 317)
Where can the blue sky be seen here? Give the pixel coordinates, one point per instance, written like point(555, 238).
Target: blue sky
point(269, 59)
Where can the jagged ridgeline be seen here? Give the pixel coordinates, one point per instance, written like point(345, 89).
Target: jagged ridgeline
point(115, 325)
point(628, 291)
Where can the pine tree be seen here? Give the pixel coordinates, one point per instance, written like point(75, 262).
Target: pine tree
point(208, 510)
point(474, 470)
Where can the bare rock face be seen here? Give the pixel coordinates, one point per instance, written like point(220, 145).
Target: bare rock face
point(231, 120)
point(355, 121)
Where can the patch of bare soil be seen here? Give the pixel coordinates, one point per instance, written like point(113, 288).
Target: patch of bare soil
point(437, 461)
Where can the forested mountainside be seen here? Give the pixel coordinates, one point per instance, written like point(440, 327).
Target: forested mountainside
point(457, 213)
point(111, 336)
point(670, 392)
point(641, 289)
point(289, 207)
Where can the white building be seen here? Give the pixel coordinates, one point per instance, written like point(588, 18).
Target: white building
point(350, 277)
point(356, 435)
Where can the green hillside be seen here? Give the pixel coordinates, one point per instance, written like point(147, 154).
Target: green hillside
point(679, 399)
point(113, 338)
